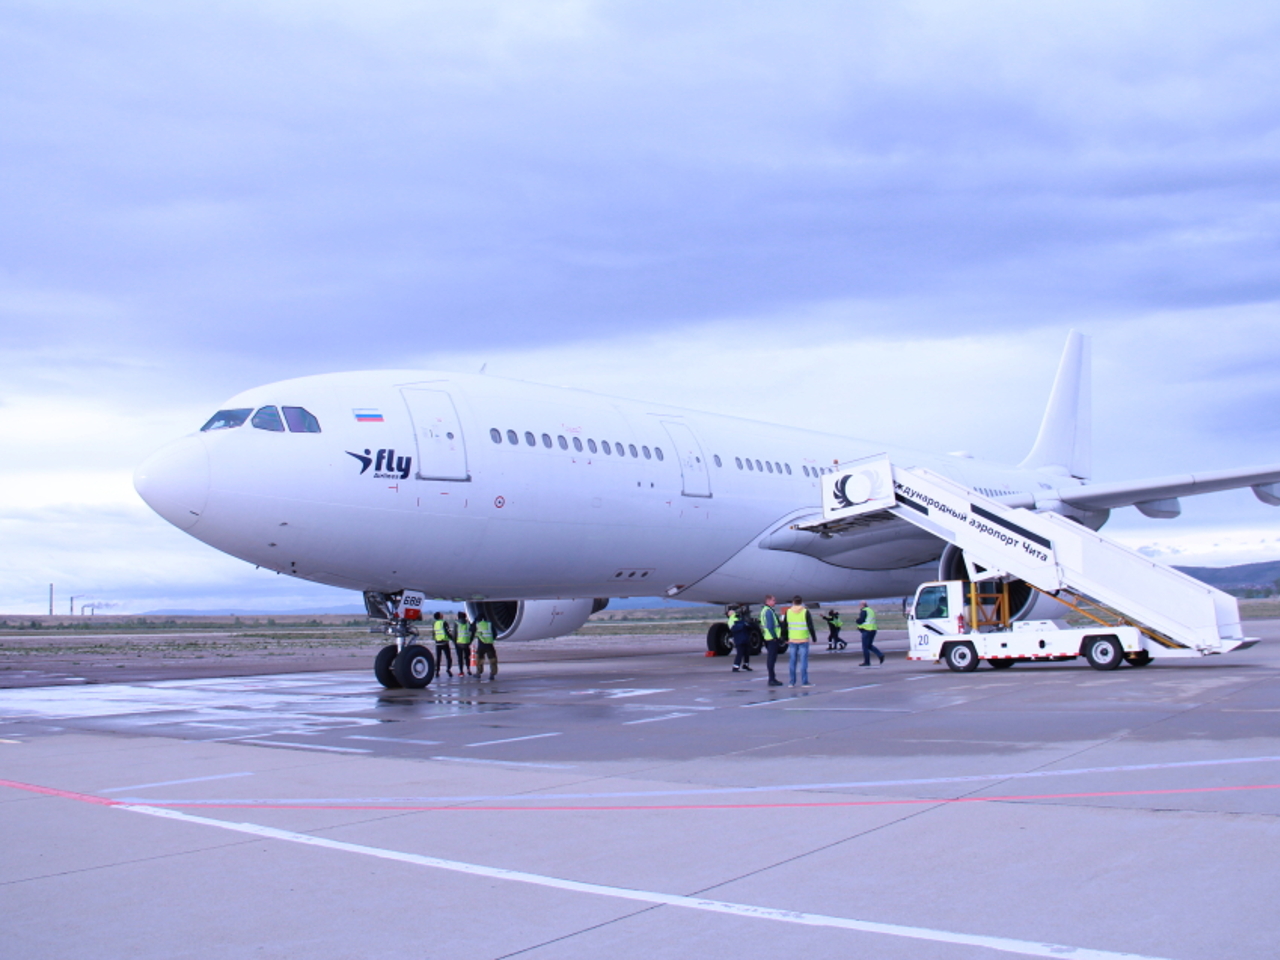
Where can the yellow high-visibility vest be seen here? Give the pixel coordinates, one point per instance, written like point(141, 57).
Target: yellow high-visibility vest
point(797, 625)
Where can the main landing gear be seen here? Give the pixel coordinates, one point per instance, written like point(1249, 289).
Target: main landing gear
point(404, 663)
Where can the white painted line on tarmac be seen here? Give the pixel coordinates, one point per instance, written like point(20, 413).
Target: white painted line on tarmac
point(174, 783)
point(425, 743)
point(1026, 948)
point(765, 703)
point(509, 763)
point(669, 716)
point(865, 686)
point(532, 736)
point(304, 746)
point(851, 709)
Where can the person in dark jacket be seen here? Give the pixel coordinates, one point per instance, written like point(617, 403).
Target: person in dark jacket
point(740, 634)
point(771, 628)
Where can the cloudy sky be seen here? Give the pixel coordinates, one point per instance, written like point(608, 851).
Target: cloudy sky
point(896, 209)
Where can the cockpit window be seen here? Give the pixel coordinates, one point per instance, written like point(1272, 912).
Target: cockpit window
point(300, 420)
point(226, 419)
point(268, 418)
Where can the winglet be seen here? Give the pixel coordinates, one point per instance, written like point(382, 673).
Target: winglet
point(1064, 444)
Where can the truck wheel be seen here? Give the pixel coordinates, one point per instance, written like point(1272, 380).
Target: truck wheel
point(1003, 664)
point(718, 641)
point(382, 667)
point(962, 657)
point(1103, 653)
point(414, 667)
point(1138, 659)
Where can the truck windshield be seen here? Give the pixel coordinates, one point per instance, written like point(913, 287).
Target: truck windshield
point(932, 604)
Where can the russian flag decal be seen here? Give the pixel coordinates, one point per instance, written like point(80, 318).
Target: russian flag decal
point(367, 416)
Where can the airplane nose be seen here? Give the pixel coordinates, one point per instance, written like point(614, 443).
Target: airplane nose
point(174, 481)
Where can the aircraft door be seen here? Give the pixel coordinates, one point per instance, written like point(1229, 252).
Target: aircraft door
point(693, 465)
point(442, 455)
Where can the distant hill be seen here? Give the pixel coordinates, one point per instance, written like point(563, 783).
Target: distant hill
point(1243, 577)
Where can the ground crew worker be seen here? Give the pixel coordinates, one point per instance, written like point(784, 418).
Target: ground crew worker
point(740, 634)
point(799, 627)
point(867, 627)
point(834, 623)
point(485, 647)
point(462, 643)
point(440, 630)
point(771, 630)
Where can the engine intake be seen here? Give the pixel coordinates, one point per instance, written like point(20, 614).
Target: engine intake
point(535, 619)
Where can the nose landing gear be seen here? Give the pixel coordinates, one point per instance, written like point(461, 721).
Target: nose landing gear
point(404, 663)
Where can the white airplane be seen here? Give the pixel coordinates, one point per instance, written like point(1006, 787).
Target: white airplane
point(533, 504)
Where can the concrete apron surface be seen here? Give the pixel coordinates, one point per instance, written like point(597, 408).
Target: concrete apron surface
point(651, 807)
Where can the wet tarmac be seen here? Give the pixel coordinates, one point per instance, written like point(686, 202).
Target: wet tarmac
point(650, 806)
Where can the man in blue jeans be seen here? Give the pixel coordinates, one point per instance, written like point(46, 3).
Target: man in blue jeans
point(799, 627)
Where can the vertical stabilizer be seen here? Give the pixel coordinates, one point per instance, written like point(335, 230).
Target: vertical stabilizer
point(1065, 440)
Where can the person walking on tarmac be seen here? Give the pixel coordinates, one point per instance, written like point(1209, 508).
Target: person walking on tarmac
point(867, 627)
point(799, 628)
point(834, 623)
point(463, 634)
point(771, 630)
point(440, 630)
point(740, 633)
point(485, 648)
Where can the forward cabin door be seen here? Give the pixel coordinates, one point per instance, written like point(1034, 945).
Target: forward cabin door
point(693, 465)
point(442, 455)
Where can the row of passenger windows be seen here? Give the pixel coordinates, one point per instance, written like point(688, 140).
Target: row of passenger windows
point(298, 419)
point(621, 449)
point(591, 446)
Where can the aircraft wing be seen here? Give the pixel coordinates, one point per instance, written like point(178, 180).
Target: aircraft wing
point(1159, 495)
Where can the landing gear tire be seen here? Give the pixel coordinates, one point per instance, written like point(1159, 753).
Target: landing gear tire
point(414, 667)
point(718, 641)
point(757, 642)
point(1139, 659)
point(962, 657)
point(382, 666)
point(1002, 664)
point(1104, 653)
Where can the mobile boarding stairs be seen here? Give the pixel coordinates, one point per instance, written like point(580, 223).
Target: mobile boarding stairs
point(1146, 608)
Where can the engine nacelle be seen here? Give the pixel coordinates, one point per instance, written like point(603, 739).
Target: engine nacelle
point(1025, 601)
point(535, 619)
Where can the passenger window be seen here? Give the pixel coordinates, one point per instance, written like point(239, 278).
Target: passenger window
point(788, 466)
point(226, 419)
point(300, 420)
point(495, 434)
point(619, 449)
point(268, 418)
point(564, 444)
point(605, 446)
point(769, 465)
point(647, 454)
point(546, 440)
point(657, 452)
point(634, 452)
point(512, 438)
point(591, 445)
point(759, 467)
point(932, 604)
point(577, 444)
point(716, 458)
point(738, 461)
point(749, 465)
point(777, 467)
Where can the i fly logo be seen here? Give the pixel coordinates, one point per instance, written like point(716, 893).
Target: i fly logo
point(385, 463)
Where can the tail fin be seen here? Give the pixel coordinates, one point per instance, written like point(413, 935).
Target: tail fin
point(1065, 441)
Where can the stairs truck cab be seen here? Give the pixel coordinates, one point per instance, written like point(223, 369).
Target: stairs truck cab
point(962, 623)
point(1138, 609)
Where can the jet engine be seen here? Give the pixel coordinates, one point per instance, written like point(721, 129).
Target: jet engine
point(1026, 602)
point(535, 619)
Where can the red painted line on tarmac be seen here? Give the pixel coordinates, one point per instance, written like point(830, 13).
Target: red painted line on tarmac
point(64, 794)
point(583, 808)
